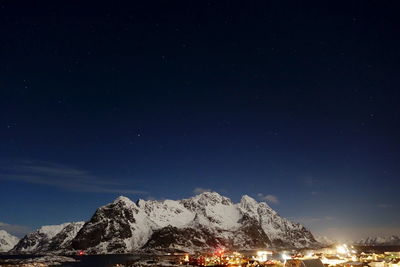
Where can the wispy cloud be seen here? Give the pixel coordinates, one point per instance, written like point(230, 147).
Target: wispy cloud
point(269, 198)
point(17, 230)
point(199, 190)
point(61, 176)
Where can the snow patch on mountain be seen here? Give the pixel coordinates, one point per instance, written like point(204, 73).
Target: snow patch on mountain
point(167, 212)
point(213, 210)
point(7, 241)
point(51, 230)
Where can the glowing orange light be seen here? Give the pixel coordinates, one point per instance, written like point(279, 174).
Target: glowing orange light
point(219, 251)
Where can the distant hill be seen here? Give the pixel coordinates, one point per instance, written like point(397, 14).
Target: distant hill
point(380, 241)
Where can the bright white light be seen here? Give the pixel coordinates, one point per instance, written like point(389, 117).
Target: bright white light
point(342, 249)
point(262, 255)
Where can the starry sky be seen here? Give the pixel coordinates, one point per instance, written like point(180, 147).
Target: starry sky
point(292, 103)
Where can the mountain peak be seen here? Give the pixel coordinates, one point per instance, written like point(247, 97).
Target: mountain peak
point(248, 199)
point(210, 198)
point(141, 203)
point(249, 204)
point(123, 200)
point(3, 232)
point(210, 194)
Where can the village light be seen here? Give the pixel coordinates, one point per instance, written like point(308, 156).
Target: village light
point(262, 255)
point(285, 257)
point(310, 255)
point(186, 258)
point(342, 249)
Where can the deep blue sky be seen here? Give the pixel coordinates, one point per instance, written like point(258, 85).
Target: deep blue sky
point(294, 103)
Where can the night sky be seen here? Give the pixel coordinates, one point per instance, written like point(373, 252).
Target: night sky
point(292, 103)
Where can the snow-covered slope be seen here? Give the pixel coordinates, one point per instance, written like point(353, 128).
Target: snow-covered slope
point(203, 221)
point(380, 241)
point(7, 241)
point(117, 227)
point(48, 238)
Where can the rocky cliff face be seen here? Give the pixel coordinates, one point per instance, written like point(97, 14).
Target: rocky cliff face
point(7, 241)
point(117, 227)
point(205, 221)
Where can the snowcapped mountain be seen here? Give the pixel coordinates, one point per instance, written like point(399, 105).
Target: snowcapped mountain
point(7, 241)
point(48, 238)
point(380, 241)
point(204, 221)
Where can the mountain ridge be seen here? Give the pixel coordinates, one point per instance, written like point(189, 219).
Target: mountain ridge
point(48, 238)
point(392, 240)
point(202, 222)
